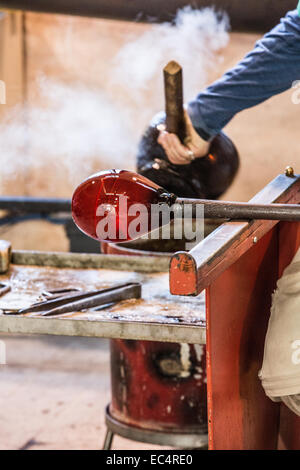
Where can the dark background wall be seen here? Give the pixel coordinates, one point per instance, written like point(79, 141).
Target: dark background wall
point(251, 15)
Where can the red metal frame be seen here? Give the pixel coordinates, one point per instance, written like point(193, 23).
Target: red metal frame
point(191, 272)
point(239, 265)
point(238, 306)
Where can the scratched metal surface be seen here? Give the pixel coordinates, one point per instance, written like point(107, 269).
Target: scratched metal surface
point(156, 308)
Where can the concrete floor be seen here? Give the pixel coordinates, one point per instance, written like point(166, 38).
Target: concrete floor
point(53, 392)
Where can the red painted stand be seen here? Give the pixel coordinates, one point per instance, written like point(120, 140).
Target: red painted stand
point(238, 265)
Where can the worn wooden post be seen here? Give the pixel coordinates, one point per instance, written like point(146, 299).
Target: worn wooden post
point(5, 255)
point(289, 243)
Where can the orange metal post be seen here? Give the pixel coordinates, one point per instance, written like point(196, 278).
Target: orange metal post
point(238, 265)
point(238, 307)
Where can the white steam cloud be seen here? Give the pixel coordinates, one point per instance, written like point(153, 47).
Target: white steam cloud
point(77, 126)
point(80, 129)
point(192, 40)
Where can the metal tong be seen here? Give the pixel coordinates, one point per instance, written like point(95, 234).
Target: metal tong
point(85, 300)
point(4, 288)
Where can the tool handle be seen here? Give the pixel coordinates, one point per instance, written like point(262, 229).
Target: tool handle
point(175, 122)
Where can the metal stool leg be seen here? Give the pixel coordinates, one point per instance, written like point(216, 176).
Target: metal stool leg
point(108, 440)
point(197, 440)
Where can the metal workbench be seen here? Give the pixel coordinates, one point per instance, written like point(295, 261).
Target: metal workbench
point(237, 265)
point(157, 316)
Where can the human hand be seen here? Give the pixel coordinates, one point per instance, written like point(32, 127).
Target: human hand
point(177, 153)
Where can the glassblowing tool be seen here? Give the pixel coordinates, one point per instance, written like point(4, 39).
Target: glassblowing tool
point(206, 177)
point(109, 196)
point(83, 300)
point(4, 288)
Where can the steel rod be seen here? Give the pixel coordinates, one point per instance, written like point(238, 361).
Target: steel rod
point(131, 291)
point(34, 205)
point(239, 210)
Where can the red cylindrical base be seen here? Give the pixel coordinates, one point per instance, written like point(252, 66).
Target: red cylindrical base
point(159, 386)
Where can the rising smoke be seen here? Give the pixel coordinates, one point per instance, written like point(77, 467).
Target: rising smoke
point(80, 128)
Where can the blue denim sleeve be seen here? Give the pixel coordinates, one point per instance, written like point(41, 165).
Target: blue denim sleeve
point(270, 68)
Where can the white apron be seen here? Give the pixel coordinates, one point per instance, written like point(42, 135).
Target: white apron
point(280, 372)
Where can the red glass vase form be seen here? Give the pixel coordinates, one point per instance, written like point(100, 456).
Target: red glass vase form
point(115, 205)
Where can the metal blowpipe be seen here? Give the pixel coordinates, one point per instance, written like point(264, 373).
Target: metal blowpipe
point(244, 210)
point(117, 192)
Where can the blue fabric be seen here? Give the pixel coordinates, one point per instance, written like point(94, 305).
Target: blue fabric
point(270, 68)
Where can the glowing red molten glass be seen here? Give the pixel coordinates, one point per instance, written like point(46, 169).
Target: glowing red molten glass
point(102, 203)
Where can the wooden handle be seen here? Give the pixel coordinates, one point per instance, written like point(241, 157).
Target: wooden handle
point(174, 100)
point(5, 255)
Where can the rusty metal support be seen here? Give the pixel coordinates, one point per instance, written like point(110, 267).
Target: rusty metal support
point(122, 323)
point(191, 272)
point(90, 261)
point(183, 440)
point(34, 205)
